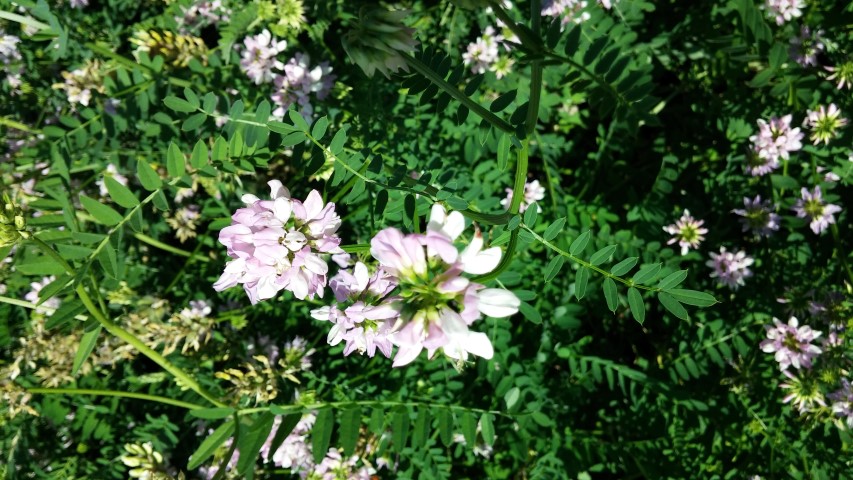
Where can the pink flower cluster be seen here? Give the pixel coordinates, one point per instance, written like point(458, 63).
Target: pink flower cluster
point(433, 305)
point(533, 192)
point(730, 269)
point(299, 82)
point(275, 245)
point(812, 206)
point(259, 57)
point(366, 321)
point(687, 231)
point(791, 344)
point(775, 141)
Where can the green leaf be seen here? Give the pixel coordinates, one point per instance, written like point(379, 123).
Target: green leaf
point(209, 102)
point(420, 434)
point(602, 255)
point(554, 267)
point(210, 444)
point(147, 176)
point(220, 150)
point(445, 426)
point(530, 313)
point(469, 428)
point(292, 139)
point(251, 441)
point(179, 104)
point(646, 273)
point(503, 151)
point(624, 266)
point(212, 413)
point(193, 122)
point(119, 193)
point(191, 97)
point(673, 306)
point(350, 422)
point(503, 101)
point(487, 428)
point(610, 294)
point(692, 297)
point(581, 280)
point(635, 303)
point(102, 213)
point(108, 260)
point(91, 330)
point(554, 229)
point(320, 127)
point(377, 421)
point(580, 243)
point(199, 155)
point(530, 215)
point(400, 428)
point(594, 49)
point(300, 123)
point(573, 41)
point(511, 397)
point(39, 266)
point(287, 424)
point(160, 202)
point(281, 127)
point(321, 433)
point(175, 162)
point(672, 280)
point(541, 419)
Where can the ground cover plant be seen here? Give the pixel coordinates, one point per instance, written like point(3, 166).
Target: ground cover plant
point(426, 239)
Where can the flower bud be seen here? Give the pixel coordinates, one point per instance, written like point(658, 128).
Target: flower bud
point(378, 39)
point(13, 225)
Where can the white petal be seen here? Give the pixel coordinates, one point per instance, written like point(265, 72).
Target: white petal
point(479, 344)
point(361, 276)
point(481, 262)
point(282, 208)
point(496, 302)
point(277, 190)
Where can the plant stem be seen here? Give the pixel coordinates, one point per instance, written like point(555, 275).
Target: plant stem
point(454, 92)
point(180, 376)
point(220, 474)
point(114, 393)
point(168, 248)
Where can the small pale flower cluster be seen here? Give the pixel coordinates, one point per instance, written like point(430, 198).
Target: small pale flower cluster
point(10, 59)
point(687, 231)
point(299, 82)
point(568, 10)
point(784, 10)
point(812, 206)
point(791, 344)
point(183, 222)
point(758, 216)
point(842, 404)
point(295, 454)
point(276, 245)
point(434, 305)
point(824, 123)
point(259, 57)
point(533, 193)
point(201, 14)
point(842, 74)
point(484, 55)
point(806, 47)
point(775, 141)
point(365, 314)
point(730, 269)
point(804, 392)
point(80, 84)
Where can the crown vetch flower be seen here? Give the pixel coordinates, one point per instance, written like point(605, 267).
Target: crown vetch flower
point(774, 142)
point(730, 269)
point(806, 47)
point(784, 10)
point(436, 303)
point(824, 123)
point(811, 206)
point(365, 313)
point(842, 403)
point(687, 231)
point(533, 192)
point(275, 245)
point(758, 216)
point(259, 55)
point(791, 344)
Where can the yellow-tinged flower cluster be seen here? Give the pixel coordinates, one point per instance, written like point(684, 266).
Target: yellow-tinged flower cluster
point(176, 49)
point(13, 224)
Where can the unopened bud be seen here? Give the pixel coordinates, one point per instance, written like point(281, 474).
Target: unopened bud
point(13, 224)
point(378, 41)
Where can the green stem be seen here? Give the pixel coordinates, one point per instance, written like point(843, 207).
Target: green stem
point(168, 248)
point(18, 126)
point(182, 377)
point(585, 264)
point(454, 92)
point(220, 474)
point(28, 21)
point(113, 393)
